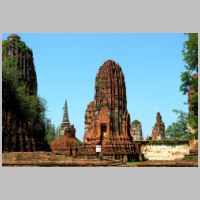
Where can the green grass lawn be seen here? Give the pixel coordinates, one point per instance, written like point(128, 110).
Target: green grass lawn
point(191, 158)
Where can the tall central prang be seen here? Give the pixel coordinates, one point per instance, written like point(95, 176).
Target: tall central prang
point(107, 120)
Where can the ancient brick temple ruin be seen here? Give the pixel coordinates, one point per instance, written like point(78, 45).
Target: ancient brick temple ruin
point(18, 133)
point(66, 134)
point(158, 132)
point(136, 131)
point(107, 121)
point(65, 125)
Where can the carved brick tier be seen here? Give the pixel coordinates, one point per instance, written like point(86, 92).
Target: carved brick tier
point(107, 121)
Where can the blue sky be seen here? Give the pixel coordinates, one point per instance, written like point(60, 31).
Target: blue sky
point(67, 64)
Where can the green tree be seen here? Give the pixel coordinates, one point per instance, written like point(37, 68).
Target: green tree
point(136, 122)
point(189, 78)
point(190, 52)
point(14, 94)
point(79, 143)
point(49, 131)
point(179, 129)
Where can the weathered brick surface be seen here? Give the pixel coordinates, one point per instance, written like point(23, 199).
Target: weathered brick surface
point(67, 136)
point(107, 121)
point(63, 142)
point(17, 131)
point(165, 152)
point(194, 146)
point(136, 131)
point(158, 132)
point(50, 159)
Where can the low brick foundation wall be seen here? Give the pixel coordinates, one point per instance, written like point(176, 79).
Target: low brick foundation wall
point(86, 156)
point(146, 150)
point(165, 151)
point(48, 159)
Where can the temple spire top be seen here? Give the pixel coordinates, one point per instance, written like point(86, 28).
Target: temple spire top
point(65, 115)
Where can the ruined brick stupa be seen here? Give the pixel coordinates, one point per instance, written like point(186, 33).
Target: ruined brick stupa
point(66, 134)
point(136, 130)
point(158, 132)
point(107, 121)
point(66, 126)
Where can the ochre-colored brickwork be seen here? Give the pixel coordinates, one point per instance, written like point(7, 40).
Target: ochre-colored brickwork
point(158, 132)
point(67, 139)
point(63, 142)
point(107, 121)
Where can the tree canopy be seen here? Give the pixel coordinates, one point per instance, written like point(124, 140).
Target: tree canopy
point(137, 122)
point(179, 129)
point(189, 78)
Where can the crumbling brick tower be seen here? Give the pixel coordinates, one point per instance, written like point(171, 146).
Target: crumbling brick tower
point(18, 132)
point(107, 121)
point(158, 132)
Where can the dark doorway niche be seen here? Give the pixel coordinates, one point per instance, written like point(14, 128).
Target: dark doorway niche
point(103, 132)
